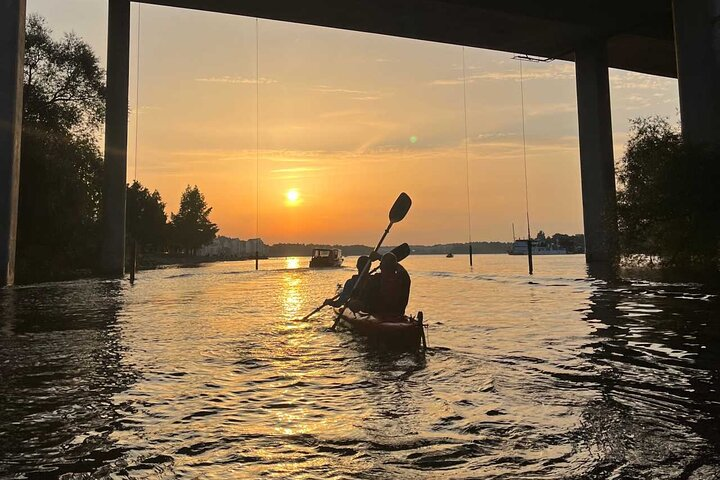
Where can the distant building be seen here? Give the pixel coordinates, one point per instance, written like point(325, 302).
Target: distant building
point(256, 244)
point(225, 247)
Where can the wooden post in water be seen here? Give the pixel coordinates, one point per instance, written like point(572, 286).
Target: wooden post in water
point(133, 261)
point(530, 264)
point(470, 251)
point(257, 258)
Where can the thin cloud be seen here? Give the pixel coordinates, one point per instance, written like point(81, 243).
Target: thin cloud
point(237, 80)
point(554, 73)
point(637, 81)
point(291, 160)
point(298, 169)
point(367, 98)
point(363, 95)
point(550, 109)
point(342, 113)
point(483, 136)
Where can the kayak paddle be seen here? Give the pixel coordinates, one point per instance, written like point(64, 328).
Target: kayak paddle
point(398, 211)
point(317, 309)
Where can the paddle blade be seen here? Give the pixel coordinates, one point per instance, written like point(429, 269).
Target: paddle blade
point(401, 251)
point(400, 207)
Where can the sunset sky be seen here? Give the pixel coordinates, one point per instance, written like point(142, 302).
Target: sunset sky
point(348, 120)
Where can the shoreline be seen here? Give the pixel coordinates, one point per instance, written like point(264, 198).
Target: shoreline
point(623, 272)
point(154, 261)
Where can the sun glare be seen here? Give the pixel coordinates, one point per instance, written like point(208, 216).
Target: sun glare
point(292, 196)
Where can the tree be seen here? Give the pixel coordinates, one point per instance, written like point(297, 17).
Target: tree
point(570, 243)
point(145, 217)
point(191, 226)
point(668, 198)
point(541, 237)
point(61, 165)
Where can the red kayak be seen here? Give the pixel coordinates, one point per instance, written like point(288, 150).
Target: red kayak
point(396, 332)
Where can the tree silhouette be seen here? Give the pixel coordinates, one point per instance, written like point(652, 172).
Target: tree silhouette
point(60, 165)
point(668, 200)
point(146, 218)
point(191, 227)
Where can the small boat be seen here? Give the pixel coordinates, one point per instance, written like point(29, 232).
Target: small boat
point(326, 258)
point(450, 255)
point(401, 333)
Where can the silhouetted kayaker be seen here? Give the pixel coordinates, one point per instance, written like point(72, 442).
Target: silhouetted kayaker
point(349, 284)
point(393, 288)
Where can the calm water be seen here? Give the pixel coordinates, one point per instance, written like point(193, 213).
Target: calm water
point(207, 372)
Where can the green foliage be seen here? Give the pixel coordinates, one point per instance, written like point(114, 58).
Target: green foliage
point(146, 221)
point(570, 243)
point(64, 84)
point(668, 200)
point(61, 166)
point(191, 227)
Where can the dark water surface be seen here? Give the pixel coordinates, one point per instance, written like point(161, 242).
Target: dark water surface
point(207, 372)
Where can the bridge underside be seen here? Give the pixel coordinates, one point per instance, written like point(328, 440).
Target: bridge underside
point(638, 33)
point(671, 38)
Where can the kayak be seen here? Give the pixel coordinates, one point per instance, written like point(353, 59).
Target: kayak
point(403, 332)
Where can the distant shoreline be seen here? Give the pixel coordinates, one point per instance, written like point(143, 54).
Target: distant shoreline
point(155, 261)
point(200, 260)
point(299, 249)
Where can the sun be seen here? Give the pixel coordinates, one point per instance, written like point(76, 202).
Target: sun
point(292, 196)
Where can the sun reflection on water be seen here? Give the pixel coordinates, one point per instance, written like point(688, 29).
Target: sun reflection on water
point(291, 298)
point(292, 263)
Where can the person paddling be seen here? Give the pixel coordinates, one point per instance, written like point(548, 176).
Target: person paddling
point(349, 284)
point(392, 288)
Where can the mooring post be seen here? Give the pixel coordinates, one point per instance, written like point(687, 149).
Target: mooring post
point(530, 260)
point(12, 59)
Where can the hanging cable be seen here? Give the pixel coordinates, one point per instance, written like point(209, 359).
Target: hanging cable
point(527, 201)
point(467, 159)
point(257, 144)
point(137, 90)
point(133, 240)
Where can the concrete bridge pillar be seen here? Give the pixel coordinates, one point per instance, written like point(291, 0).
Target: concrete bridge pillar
point(116, 130)
point(12, 58)
point(597, 164)
point(697, 52)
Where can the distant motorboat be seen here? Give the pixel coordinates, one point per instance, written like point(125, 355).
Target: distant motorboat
point(450, 255)
point(326, 258)
point(520, 247)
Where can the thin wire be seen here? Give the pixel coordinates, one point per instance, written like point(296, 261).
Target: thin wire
point(137, 90)
point(257, 140)
point(133, 247)
point(522, 106)
point(467, 157)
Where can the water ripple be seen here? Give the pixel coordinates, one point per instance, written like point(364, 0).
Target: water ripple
point(209, 374)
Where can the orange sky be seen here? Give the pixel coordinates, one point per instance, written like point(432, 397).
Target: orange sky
point(349, 120)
